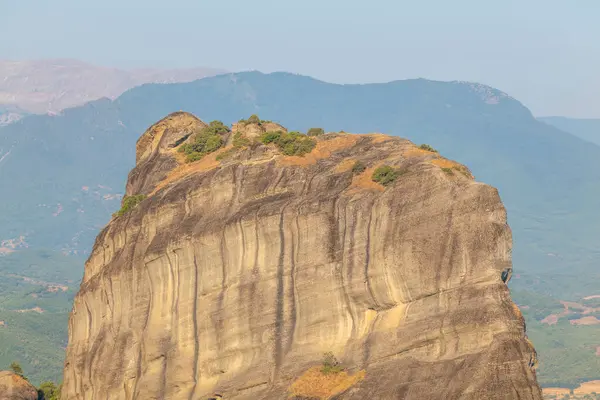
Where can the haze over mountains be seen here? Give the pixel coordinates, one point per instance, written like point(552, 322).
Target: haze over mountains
point(71, 170)
point(587, 129)
point(42, 86)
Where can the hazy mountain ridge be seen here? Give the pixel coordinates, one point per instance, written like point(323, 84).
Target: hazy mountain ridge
point(587, 129)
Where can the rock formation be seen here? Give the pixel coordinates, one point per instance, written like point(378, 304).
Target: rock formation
point(14, 387)
point(236, 273)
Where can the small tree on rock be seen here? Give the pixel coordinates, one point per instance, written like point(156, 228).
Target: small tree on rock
point(16, 368)
point(315, 132)
point(254, 119)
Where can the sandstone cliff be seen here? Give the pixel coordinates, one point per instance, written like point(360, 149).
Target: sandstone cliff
point(237, 272)
point(14, 387)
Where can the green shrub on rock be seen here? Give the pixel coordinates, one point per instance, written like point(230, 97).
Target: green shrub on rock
point(270, 137)
point(129, 203)
point(16, 368)
point(217, 127)
point(49, 391)
point(385, 175)
point(295, 144)
point(240, 141)
point(330, 364)
point(253, 119)
point(358, 167)
point(427, 147)
point(315, 132)
point(291, 143)
point(206, 141)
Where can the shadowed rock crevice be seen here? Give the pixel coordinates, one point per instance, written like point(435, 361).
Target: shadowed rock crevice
point(235, 275)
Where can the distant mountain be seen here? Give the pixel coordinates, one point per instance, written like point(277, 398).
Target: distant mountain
point(587, 129)
point(42, 86)
point(62, 176)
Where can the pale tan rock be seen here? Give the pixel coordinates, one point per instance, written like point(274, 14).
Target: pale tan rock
point(234, 277)
point(14, 387)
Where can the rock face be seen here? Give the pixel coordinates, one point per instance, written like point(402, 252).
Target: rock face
point(14, 387)
point(239, 271)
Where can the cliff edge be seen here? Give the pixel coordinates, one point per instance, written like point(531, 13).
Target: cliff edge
point(255, 263)
point(15, 387)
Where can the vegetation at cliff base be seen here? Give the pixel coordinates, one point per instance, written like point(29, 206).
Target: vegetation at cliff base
point(206, 141)
point(49, 391)
point(385, 175)
point(129, 203)
point(290, 143)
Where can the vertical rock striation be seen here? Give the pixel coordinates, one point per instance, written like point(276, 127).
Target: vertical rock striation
point(238, 271)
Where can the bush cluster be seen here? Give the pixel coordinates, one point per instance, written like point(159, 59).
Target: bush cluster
point(386, 175)
point(461, 169)
point(240, 141)
point(49, 391)
point(358, 167)
point(129, 203)
point(206, 141)
point(291, 143)
point(254, 119)
point(427, 147)
point(330, 364)
point(315, 132)
point(16, 368)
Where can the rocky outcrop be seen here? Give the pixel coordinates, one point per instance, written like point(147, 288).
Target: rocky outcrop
point(14, 387)
point(239, 271)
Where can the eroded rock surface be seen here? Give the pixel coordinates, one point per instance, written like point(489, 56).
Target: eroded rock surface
point(237, 273)
point(14, 387)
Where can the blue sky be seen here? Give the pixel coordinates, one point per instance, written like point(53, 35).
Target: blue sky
point(546, 53)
